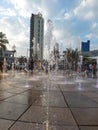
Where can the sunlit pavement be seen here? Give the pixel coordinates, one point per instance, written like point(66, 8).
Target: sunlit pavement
point(48, 102)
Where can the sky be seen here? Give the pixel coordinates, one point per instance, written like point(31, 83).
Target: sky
point(73, 21)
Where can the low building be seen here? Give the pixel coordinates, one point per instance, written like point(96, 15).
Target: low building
point(93, 53)
point(8, 55)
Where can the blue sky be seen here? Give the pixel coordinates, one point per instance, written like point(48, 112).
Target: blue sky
point(73, 21)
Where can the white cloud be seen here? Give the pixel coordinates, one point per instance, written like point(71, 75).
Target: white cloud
point(7, 12)
point(89, 15)
point(89, 36)
point(67, 16)
point(15, 20)
point(87, 10)
point(95, 25)
point(25, 8)
point(17, 28)
point(95, 46)
point(57, 34)
point(16, 31)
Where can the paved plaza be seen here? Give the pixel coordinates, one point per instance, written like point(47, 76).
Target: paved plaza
point(51, 101)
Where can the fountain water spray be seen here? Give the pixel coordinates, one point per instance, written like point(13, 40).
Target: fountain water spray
point(49, 36)
point(51, 44)
point(48, 41)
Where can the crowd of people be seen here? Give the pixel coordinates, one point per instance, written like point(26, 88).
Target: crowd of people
point(38, 65)
point(90, 69)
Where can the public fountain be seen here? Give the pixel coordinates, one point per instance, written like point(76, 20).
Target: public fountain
point(52, 45)
point(49, 36)
point(48, 41)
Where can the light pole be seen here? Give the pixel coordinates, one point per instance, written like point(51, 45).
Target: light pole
point(13, 50)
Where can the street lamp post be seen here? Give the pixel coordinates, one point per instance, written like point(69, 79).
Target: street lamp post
point(13, 50)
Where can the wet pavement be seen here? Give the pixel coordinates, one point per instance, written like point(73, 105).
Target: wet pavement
point(48, 102)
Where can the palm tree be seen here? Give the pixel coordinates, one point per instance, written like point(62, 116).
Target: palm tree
point(75, 58)
point(68, 54)
point(3, 40)
point(22, 59)
point(72, 57)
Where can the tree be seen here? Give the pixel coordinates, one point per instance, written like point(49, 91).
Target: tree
point(3, 40)
point(22, 59)
point(72, 57)
point(75, 58)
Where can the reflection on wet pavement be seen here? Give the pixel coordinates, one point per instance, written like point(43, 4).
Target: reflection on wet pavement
point(48, 102)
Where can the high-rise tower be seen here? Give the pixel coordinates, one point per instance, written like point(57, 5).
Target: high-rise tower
point(36, 36)
point(85, 46)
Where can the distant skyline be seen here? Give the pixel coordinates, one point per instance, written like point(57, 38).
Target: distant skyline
point(73, 21)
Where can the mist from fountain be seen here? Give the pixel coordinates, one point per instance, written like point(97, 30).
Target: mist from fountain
point(47, 84)
point(49, 36)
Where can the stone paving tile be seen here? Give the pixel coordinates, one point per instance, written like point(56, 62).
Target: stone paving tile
point(70, 87)
point(44, 85)
point(27, 126)
point(61, 116)
point(16, 90)
point(4, 95)
point(78, 86)
point(95, 99)
point(76, 99)
point(36, 126)
point(35, 114)
point(11, 110)
point(51, 98)
point(27, 97)
point(86, 116)
point(5, 124)
point(5, 86)
point(52, 87)
point(32, 93)
point(91, 94)
point(35, 85)
point(96, 92)
point(63, 128)
point(38, 114)
point(49, 105)
point(20, 99)
point(89, 128)
point(49, 85)
point(23, 86)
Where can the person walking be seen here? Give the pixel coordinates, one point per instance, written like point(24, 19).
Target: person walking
point(94, 70)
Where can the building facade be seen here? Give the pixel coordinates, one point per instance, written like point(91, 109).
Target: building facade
point(85, 46)
point(36, 36)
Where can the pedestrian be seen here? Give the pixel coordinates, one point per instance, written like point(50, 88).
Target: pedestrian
point(94, 70)
point(46, 67)
point(32, 65)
